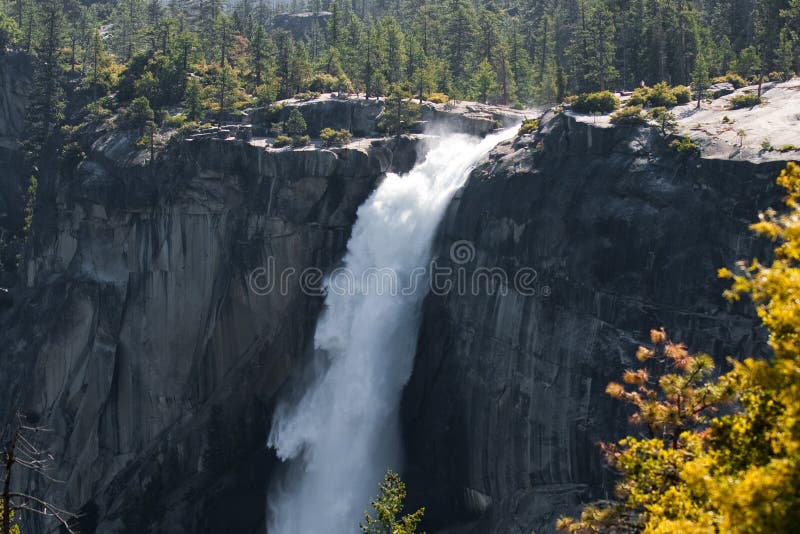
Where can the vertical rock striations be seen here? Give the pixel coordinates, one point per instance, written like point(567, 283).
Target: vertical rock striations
point(139, 340)
point(507, 400)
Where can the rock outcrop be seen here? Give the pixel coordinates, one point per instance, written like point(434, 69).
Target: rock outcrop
point(506, 402)
point(361, 116)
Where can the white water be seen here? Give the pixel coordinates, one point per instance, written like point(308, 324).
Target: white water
point(343, 433)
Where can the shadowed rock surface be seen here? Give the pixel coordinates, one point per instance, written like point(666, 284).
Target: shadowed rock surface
point(138, 339)
point(507, 398)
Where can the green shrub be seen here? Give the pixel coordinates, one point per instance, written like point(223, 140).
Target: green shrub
point(776, 76)
point(282, 141)
point(684, 146)
point(600, 102)
point(324, 83)
point(266, 93)
point(438, 98)
point(307, 95)
point(682, 94)
point(71, 156)
point(96, 110)
point(746, 100)
point(188, 127)
point(766, 146)
point(788, 148)
point(726, 120)
point(666, 121)
point(528, 126)
point(628, 115)
point(638, 97)
point(300, 141)
point(174, 121)
point(137, 114)
point(735, 80)
point(335, 137)
point(518, 106)
point(661, 95)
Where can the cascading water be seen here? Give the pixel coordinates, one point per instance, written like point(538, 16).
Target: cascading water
point(343, 433)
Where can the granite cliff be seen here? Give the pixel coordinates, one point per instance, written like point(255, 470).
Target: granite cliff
point(506, 402)
point(135, 333)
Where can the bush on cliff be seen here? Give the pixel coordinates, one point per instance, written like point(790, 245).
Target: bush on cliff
point(682, 94)
point(684, 146)
point(600, 102)
point(282, 141)
point(335, 137)
point(528, 126)
point(438, 98)
point(661, 95)
point(699, 471)
point(631, 115)
point(746, 100)
point(300, 141)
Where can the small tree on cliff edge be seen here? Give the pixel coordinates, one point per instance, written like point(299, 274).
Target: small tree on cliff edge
point(399, 113)
point(700, 78)
point(296, 125)
point(389, 508)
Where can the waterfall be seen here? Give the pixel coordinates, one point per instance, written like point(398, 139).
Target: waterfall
point(342, 434)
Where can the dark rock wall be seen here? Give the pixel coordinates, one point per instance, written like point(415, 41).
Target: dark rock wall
point(507, 400)
point(139, 341)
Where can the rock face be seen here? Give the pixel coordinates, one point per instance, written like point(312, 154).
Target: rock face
point(141, 339)
point(361, 116)
point(507, 400)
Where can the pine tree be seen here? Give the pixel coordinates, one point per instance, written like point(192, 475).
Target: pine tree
point(460, 32)
point(295, 123)
point(601, 70)
point(261, 54)
point(192, 99)
point(700, 77)
point(483, 84)
point(388, 508)
point(399, 114)
point(284, 45)
point(47, 102)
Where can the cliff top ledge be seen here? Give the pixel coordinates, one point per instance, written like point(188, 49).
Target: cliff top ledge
point(769, 131)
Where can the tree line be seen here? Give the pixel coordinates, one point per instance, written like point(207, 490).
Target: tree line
point(209, 57)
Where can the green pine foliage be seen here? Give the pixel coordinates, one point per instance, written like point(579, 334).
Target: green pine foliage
point(600, 102)
point(722, 451)
point(388, 510)
point(684, 146)
point(295, 123)
point(745, 100)
point(631, 115)
point(335, 137)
